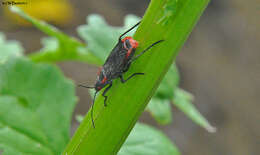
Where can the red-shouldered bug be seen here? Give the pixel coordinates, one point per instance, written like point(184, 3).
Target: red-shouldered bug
point(117, 63)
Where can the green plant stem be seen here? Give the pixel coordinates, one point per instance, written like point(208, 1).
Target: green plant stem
point(64, 54)
point(127, 101)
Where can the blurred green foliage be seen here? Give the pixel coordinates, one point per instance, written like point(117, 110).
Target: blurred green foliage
point(36, 106)
point(9, 48)
point(145, 140)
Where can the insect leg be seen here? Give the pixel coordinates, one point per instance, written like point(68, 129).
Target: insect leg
point(104, 93)
point(134, 58)
point(122, 79)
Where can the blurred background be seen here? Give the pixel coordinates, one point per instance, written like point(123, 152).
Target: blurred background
point(219, 64)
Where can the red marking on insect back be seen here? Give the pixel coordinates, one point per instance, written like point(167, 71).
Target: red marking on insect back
point(133, 43)
point(126, 38)
point(104, 80)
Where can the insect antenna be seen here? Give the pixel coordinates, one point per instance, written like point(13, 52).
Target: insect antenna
point(85, 86)
point(92, 109)
point(92, 106)
point(129, 30)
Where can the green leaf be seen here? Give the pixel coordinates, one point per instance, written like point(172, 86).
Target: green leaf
point(21, 128)
point(9, 49)
point(101, 37)
point(144, 140)
point(169, 83)
point(50, 44)
point(68, 48)
point(36, 106)
point(8, 150)
point(127, 101)
point(182, 100)
point(159, 106)
point(160, 109)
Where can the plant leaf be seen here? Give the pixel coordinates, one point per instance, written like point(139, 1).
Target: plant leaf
point(50, 44)
point(9, 48)
point(160, 109)
point(24, 135)
point(36, 106)
point(159, 105)
point(68, 48)
point(144, 140)
point(182, 100)
point(169, 83)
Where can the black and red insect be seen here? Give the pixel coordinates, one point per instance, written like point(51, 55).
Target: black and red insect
point(117, 63)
